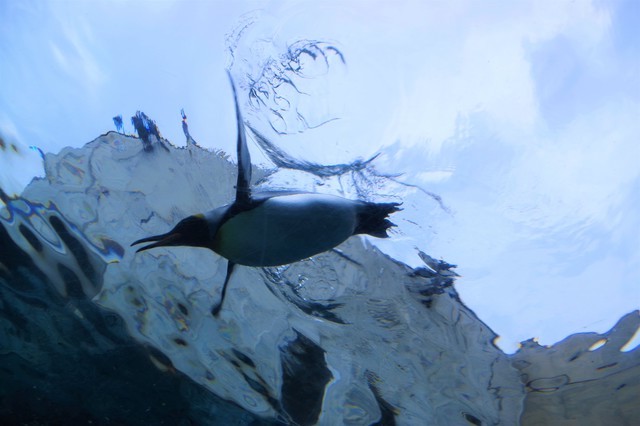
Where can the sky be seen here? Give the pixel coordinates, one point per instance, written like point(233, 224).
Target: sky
point(522, 116)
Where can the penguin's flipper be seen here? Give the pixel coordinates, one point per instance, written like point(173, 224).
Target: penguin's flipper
point(216, 309)
point(243, 188)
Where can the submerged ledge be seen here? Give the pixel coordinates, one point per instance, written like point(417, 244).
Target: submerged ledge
point(350, 336)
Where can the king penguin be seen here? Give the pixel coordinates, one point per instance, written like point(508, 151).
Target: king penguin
point(273, 228)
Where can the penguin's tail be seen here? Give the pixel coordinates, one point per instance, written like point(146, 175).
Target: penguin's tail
point(372, 218)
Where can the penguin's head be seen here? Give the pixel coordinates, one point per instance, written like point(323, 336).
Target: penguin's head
point(191, 231)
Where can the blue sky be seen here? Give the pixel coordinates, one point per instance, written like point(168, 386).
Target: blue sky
point(522, 116)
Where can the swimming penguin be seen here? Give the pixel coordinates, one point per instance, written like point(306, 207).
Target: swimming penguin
point(273, 228)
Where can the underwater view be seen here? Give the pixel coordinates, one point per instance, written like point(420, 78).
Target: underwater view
point(319, 212)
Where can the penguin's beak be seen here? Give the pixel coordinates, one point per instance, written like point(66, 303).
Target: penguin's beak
point(169, 239)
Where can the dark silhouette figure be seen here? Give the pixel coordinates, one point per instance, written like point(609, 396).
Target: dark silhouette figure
point(185, 129)
point(146, 127)
point(117, 120)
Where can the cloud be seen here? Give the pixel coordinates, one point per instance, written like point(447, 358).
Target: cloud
point(477, 60)
point(74, 51)
point(532, 108)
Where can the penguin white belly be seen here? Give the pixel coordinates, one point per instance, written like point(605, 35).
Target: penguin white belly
point(285, 229)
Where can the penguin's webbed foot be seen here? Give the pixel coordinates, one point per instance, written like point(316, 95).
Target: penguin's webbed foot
point(216, 308)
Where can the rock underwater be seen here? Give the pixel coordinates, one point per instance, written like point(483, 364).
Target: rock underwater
point(90, 330)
